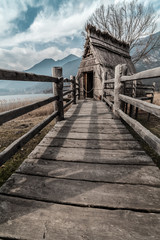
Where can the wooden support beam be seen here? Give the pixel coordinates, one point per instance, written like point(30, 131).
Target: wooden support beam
point(108, 102)
point(73, 79)
point(58, 90)
point(117, 89)
point(23, 76)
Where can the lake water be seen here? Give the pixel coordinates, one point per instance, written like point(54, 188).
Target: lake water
point(5, 100)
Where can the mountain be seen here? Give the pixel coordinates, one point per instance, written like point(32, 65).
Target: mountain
point(71, 68)
point(69, 64)
point(44, 67)
point(152, 61)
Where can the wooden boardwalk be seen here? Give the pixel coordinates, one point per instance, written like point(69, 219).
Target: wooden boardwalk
point(88, 179)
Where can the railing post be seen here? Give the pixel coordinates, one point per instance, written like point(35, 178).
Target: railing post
point(78, 82)
point(58, 90)
point(117, 89)
point(73, 88)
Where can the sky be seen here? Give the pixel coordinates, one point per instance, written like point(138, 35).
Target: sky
point(32, 30)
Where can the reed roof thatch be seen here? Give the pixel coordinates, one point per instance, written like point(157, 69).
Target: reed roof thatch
point(106, 50)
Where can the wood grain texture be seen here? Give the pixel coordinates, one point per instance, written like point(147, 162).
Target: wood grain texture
point(147, 136)
point(83, 193)
point(145, 106)
point(23, 76)
point(28, 219)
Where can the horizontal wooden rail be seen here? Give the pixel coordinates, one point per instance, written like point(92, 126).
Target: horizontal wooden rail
point(67, 80)
point(151, 73)
point(145, 106)
point(17, 144)
point(12, 114)
point(147, 136)
point(67, 92)
point(23, 76)
point(109, 92)
point(108, 102)
point(68, 103)
point(109, 81)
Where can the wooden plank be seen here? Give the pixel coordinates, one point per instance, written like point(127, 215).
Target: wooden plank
point(90, 136)
point(89, 126)
point(151, 73)
point(23, 76)
point(67, 92)
point(91, 129)
point(109, 92)
point(131, 174)
point(9, 115)
point(147, 136)
point(68, 103)
point(89, 117)
point(90, 121)
point(108, 124)
point(28, 219)
point(108, 102)
point(145, 106)
point(89, 111)
point(75, 154)
point(84, 193)
point(109, 81)
point(15, 146)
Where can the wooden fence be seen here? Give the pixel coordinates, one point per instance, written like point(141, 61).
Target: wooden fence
point(114, 96)
point(58, 99)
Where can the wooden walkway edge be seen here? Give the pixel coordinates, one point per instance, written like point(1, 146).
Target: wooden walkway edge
point(88, 179)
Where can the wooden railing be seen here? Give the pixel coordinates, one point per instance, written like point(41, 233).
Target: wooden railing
point(58, 100)
point(114, 96)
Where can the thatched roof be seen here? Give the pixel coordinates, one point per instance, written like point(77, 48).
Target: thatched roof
point(107, 50)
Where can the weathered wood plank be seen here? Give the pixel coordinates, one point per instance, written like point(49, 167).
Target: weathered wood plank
point(28, 219)
point(89, 136)
point(151, 73)
point(92, 129)
point(147, 136)
point(83, 193)
point(101, 121)
point(95, 144)
point(109, 92)
point(108, 102)
point(92, 118)
point(145, 106)
point(93, 155)
point(23, 76)
point(89, 127)
point(131, 174)
point(108, 124)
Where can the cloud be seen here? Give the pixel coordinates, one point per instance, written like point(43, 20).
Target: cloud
point(24, 58)
point(50, 25)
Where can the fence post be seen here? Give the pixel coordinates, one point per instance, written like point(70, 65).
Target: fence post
point(117, 89)
point(58, 90)
point(73, 88)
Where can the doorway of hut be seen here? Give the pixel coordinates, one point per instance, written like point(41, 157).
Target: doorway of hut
point(88, 84)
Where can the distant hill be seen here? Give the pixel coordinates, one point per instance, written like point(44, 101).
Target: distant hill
point(44, 67)
point(69, 64)
point(152, 61)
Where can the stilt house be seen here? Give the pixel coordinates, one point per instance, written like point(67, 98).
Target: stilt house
point(102, 53)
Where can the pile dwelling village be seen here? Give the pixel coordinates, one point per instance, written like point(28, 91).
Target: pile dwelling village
point(89, 178)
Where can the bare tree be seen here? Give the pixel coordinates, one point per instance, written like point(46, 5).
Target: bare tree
point(130, 22)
